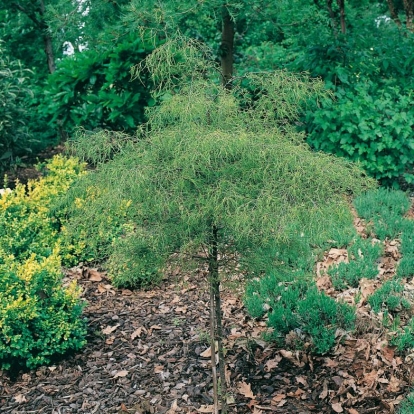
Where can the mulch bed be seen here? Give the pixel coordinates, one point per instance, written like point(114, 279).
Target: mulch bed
point(146, 354)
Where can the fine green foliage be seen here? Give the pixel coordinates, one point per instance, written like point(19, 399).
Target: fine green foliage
point(382, 202)
point(406, 265)
point(39, 318)
point(384, 209)
point(363, 256)
point(407, 405)
point(299, 306)
point(389, 297)
point(404, 338)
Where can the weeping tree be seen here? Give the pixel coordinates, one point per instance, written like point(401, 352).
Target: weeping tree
point(215, 174)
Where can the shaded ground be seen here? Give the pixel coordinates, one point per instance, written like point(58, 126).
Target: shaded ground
point(146, 354)
point(27, 171)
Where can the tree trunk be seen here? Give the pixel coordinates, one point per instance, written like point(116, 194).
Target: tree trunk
point(409, 13)
point(332, 16)
point(216, 316)
point(393, 13)
point(47, 39)
point(341, 4)
point(213, 348)
point(227, 48)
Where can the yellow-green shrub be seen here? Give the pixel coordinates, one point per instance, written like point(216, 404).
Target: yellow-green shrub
point(39, 318)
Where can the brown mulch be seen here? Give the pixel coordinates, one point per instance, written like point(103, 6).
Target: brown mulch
point(27, 171)
point(146, 353)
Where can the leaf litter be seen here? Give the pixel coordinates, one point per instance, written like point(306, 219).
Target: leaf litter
point(146, 353)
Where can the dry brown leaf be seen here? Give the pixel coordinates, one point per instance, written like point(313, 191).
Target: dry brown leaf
point(124, 407)
point(137, 333)
point(272, 363)
point(337, 408)
point(330, 363)
point(324, 283)
point(109, 329)
point(394, 384)
point(367, 287)
point(206, 409)
point(352, 411)
point(181, 309)
point(257, 411)
point(121, 374)
point(20, 398)
point(158, 369)
point(302, 380)
point(279, 397)
point(94, 275)
point(245, 389)
point(324, 392)
point(126, 292)
point(289, 355)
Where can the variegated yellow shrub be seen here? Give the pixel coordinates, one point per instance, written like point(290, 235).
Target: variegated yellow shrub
point(39, 318)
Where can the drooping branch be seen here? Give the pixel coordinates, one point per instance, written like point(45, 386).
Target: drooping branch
point(393, 13)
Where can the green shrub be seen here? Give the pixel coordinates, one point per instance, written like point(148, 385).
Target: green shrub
point(15, 139)
point(25, 223)
point(388, 297)
point(126, 269)
point(363, 256)
point(93, 89)
point(299, 306)
point(39, 319)
point(369, 124)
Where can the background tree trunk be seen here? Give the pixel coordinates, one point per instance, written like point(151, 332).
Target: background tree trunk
point(332, 16)
point(227, 48)
point(341, 4)
point(409, 13)
point(393, 13)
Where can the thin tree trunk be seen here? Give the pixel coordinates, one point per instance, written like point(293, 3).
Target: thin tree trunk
point(409, 13)
point(47, 39)
point(214, 275)
point(332, 16)
point(213, 348)
point(393, 13)
point(341, 4)
point(227, 48)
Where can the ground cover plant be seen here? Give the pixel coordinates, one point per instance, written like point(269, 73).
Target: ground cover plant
point(39, 318)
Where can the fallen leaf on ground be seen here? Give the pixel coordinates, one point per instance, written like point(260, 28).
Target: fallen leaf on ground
point(137, 332)
point(20, 398)
point(109, 329)
point(206, 409)
point(245, 389)
point(337, 408)
point(94, 275)
point(121, 374)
